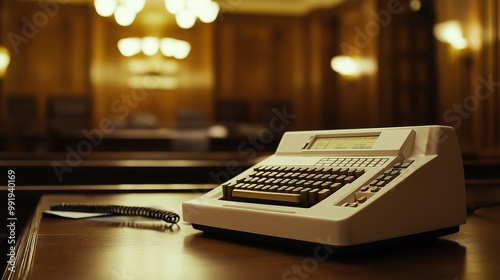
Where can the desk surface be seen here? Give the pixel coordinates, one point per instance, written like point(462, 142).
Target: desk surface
point(122, 249)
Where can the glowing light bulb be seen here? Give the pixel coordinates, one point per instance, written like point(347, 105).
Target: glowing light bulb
point(175, 6)
point(4, 60)
point(134, 5)
point(129, 46)
point(185, 19)
point(345, 65)
point(181, 49)
point(209, 13)
point(450, 32)
point(124, 16)
point(105, 8)
point(167, 47)
point(150, 45)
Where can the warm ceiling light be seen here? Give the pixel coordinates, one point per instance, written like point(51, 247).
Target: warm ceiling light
point(129, 46)
point(175, 6)
point(169, 47)
point(141, 66)
point(209, 13)
point(182, 49)
point(175, 48)
point(134, 5)
point(124, 16)
point(105, 8)
point(156, 82)
point(450, 32)
point(186, 11)
point(185, 19)
point(150, 45)
point(196, 6)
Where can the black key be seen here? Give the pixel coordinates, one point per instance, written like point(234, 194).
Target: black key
point(324, 193)
point(335, 187)
point(349, 179)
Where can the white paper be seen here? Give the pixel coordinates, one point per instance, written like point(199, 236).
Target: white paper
point(75, 215)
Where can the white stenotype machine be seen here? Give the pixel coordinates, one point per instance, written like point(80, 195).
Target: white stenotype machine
point(344, 188)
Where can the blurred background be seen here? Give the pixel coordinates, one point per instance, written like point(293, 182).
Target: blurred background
point(200, 79)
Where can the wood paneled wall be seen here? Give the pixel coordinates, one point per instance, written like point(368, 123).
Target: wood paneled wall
point(343, 102)
point(469, 79)
point(50, 55)
point(398, 41)
point(262, 60)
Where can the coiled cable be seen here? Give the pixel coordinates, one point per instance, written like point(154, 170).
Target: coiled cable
point(148, 212)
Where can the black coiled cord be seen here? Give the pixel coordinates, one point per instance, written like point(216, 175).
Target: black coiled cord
point(148, 212)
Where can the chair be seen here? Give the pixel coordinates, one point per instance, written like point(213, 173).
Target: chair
point(68, 113)
point(22, 107)
point(191, 134)
point(265, 111)
point(232, 111)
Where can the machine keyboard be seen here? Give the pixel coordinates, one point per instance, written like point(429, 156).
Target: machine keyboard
point(290, 185)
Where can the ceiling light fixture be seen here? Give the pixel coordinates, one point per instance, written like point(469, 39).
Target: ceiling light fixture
point(185, 11)
point(150, 46)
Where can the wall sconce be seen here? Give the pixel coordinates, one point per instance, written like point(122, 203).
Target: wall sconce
point(450, 32)
point(352, 66)
point(4, 60)
point(150, 46)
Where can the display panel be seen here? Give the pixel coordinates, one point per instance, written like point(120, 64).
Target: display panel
point(344, 143)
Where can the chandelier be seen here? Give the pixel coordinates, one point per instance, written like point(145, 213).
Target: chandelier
point(185, 11)
point(150, 46)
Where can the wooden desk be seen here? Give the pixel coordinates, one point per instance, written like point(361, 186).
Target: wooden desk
point(111, 168)
point(163, 139)
point(58, 248)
